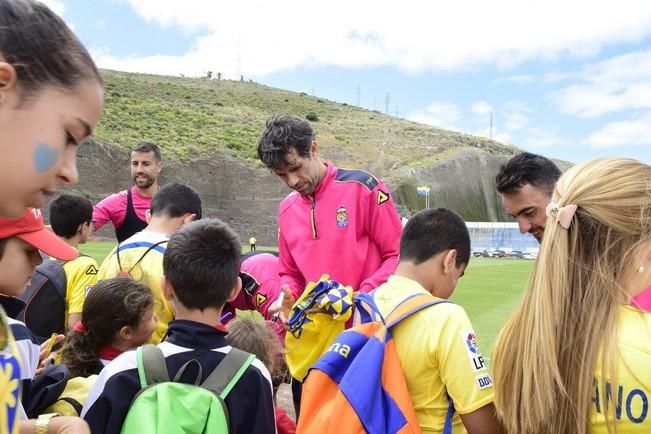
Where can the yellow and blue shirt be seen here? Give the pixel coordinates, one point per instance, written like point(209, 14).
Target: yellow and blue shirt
point(631, 392)
point(148, 271)
point(440, 357)
point(10, 380)
point(81, 275)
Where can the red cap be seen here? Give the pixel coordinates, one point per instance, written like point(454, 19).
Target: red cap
point(31, 229)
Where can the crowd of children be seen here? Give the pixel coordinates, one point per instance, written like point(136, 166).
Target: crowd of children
point(151, 327)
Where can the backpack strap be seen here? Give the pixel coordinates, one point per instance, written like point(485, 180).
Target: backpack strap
point(447, 428)
point(149, 249)
point(224, 377)
point(151, 365)
point(53, 270)
point(181, 371)
point(76, 405)
point(411, 305)
point(365, 309)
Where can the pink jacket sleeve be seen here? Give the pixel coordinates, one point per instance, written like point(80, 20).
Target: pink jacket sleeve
point(105, 211)
point(384, 228)
point(288, 271)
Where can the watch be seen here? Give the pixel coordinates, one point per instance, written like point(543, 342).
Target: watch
point(43, 422)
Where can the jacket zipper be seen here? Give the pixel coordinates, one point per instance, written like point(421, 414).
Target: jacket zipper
point(315, 233)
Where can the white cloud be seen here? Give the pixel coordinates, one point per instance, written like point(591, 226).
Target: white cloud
point(481, 108)
point(538, 138)
point(438, 114)
point(56, 5)
point(101, 24)
point(516, 121)
point(620, 83)
point(522, 78)
point(633, 132)
point(259, 37)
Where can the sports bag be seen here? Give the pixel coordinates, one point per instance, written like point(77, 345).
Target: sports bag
point(171, 407)
point(360, 379)
point(45, 300)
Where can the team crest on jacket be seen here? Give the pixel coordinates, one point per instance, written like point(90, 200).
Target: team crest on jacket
point(342, 217)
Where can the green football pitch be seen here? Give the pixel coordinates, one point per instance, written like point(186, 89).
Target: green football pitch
point(489, 290)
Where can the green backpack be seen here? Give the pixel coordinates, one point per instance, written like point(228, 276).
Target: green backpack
point(164, 406)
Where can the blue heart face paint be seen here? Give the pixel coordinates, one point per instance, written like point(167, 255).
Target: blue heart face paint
point(45, 157)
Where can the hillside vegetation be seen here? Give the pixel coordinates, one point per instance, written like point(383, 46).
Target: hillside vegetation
point(194, 117)
point(208, 131)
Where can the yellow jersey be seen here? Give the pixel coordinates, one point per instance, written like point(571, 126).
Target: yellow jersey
point(81, 275)
point(631, 392)
point(148, 271)
point(440, 357)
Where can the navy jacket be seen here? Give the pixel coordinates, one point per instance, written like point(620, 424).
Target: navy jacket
point(250, 403)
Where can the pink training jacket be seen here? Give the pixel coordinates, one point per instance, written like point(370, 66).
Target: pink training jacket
point(263, 269)
point(350, 230)
point(114, 208)
point(260, 289)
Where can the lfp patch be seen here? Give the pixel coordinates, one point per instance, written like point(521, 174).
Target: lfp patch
point(472, 349)
point(342, 217)
point(471, 343)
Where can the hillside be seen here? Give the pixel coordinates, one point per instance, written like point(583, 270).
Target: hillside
point(208, 132)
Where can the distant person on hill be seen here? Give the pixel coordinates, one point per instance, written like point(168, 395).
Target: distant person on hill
point(575, 356)
point(141, 255)
point(336, 221)
point(252, 242)
point(526, 183)
point(126, 209)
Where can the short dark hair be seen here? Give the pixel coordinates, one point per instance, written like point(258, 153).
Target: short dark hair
point(175, 200)
point(42, 48)
point(67, 212)
point(145, 147)
point(202, 262)
point(432, 231)
point(282, 134)
point(527, 168)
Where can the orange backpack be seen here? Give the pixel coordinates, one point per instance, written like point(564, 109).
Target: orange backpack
point(358, 385)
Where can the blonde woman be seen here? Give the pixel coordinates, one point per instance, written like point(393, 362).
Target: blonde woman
point(575, 357)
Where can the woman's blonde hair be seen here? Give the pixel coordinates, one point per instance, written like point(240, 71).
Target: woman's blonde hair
point(546, 355)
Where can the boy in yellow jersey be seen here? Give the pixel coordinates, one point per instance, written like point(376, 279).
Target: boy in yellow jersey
point(71, 219)
point(141, 255)
point(446, 375)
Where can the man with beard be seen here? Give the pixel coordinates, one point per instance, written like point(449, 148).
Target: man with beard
point(526, 183)
point(126, 209)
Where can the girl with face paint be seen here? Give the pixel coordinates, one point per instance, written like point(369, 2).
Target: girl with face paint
point(575, 356)
point(51, 97)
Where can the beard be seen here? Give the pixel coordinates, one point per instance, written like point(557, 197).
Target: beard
point(144, 182)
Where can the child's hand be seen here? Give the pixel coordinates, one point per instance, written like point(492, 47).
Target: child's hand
point(46, 347)
point(281, 310)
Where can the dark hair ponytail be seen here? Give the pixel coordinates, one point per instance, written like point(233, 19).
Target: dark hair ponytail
point(110, 305)
point(42, 48)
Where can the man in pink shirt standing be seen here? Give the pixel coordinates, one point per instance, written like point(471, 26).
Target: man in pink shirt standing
point(337, 222)
point(127, 209)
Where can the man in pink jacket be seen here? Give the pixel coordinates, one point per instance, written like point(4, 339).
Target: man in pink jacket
point(337, 222)
point(127, 209)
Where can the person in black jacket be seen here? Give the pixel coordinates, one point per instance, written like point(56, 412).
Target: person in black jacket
point(201, 267)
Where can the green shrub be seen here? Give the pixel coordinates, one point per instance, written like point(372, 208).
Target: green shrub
point(311, 116)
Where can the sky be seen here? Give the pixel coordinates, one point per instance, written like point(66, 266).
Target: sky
point(566, 79)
